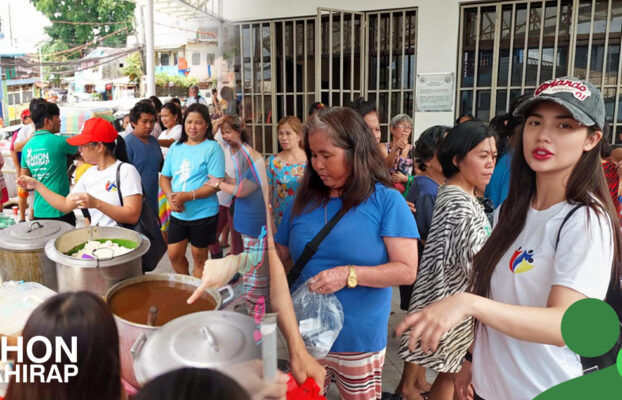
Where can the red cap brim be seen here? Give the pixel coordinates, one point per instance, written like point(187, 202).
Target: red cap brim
point(78, 140)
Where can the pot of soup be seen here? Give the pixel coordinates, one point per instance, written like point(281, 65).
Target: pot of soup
point(96, 257)
point(142, 304)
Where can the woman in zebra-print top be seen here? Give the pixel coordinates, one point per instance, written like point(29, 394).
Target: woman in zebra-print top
point(459, 229)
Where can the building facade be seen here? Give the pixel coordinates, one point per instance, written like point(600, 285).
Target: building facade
point(290, 54)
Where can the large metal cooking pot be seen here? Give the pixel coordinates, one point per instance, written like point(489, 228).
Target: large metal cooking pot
point(209, 339)
point(22, 254)
point(100, 274)
point(132, 334)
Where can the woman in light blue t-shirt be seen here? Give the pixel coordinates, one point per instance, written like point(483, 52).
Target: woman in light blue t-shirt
point(194, 206)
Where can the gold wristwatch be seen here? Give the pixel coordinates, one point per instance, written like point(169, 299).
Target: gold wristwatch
point(352, 277)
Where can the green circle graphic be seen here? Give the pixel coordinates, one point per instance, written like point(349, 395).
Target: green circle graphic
point(590, 328)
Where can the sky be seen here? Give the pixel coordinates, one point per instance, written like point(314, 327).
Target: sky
point(26, 22)
point(27, 27)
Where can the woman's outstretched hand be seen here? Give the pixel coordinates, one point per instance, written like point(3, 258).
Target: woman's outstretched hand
point(428, 326)
point(218, 272)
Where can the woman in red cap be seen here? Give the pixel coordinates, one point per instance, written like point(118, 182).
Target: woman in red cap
point(98, 189)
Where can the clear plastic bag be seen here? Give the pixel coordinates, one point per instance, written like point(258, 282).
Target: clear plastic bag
point(320, 319)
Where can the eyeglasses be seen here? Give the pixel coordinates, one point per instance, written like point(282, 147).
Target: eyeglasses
point(405, 127)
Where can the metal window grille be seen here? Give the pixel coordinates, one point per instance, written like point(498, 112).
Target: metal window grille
point(164, 59)
point(392, 43)
point(507, 48)
point(196, 58)
point(284, 65)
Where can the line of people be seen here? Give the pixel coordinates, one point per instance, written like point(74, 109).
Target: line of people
point(485, 302)
point(486, 306)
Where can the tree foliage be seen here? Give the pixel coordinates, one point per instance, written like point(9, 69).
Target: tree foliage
point(134, 68)
point(165, 80)
point(65, 36)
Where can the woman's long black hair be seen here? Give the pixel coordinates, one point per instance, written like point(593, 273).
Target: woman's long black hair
point(193, 384)
point(586, 185)
point(85, 316)
point(118, 149)
point(175, 110)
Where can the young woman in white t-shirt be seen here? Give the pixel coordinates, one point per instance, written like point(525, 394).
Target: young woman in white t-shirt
point(97, 190)
point(523, 281)
point(171, 119)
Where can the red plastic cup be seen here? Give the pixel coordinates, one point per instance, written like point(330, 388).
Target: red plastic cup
point(15, 210)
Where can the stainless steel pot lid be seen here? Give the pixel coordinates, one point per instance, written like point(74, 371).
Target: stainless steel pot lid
point(208, 339)
point(32, 235)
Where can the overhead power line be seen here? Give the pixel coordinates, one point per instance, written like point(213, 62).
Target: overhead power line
point(116, 56)
point(25, 63)
point(102, 60)
point(90, 23)
point(85, 45)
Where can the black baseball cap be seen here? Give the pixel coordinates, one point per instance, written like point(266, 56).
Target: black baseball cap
point(582, 99)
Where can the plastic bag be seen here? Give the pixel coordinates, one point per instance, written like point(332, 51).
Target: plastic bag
point(6, 221)
point(320, 319)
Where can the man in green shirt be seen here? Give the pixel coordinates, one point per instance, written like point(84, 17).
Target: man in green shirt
point(44, 157)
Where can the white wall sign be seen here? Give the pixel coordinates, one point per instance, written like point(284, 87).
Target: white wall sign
point(435, 92)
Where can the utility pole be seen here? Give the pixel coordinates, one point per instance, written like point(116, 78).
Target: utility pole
point(40, 66)
point(219, 59)
point(10, 25)
point(150, 51)
point(143, 44)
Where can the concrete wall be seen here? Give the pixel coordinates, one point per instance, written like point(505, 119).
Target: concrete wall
point(201, 71)
point(437, 42)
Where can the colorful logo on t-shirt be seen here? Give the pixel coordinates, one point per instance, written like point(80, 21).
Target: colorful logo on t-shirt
point(521, 261)
point(111, 187)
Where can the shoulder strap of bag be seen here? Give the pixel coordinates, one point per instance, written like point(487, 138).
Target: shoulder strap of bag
point(119, 183)
point(311, 247)
point(566, 218)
